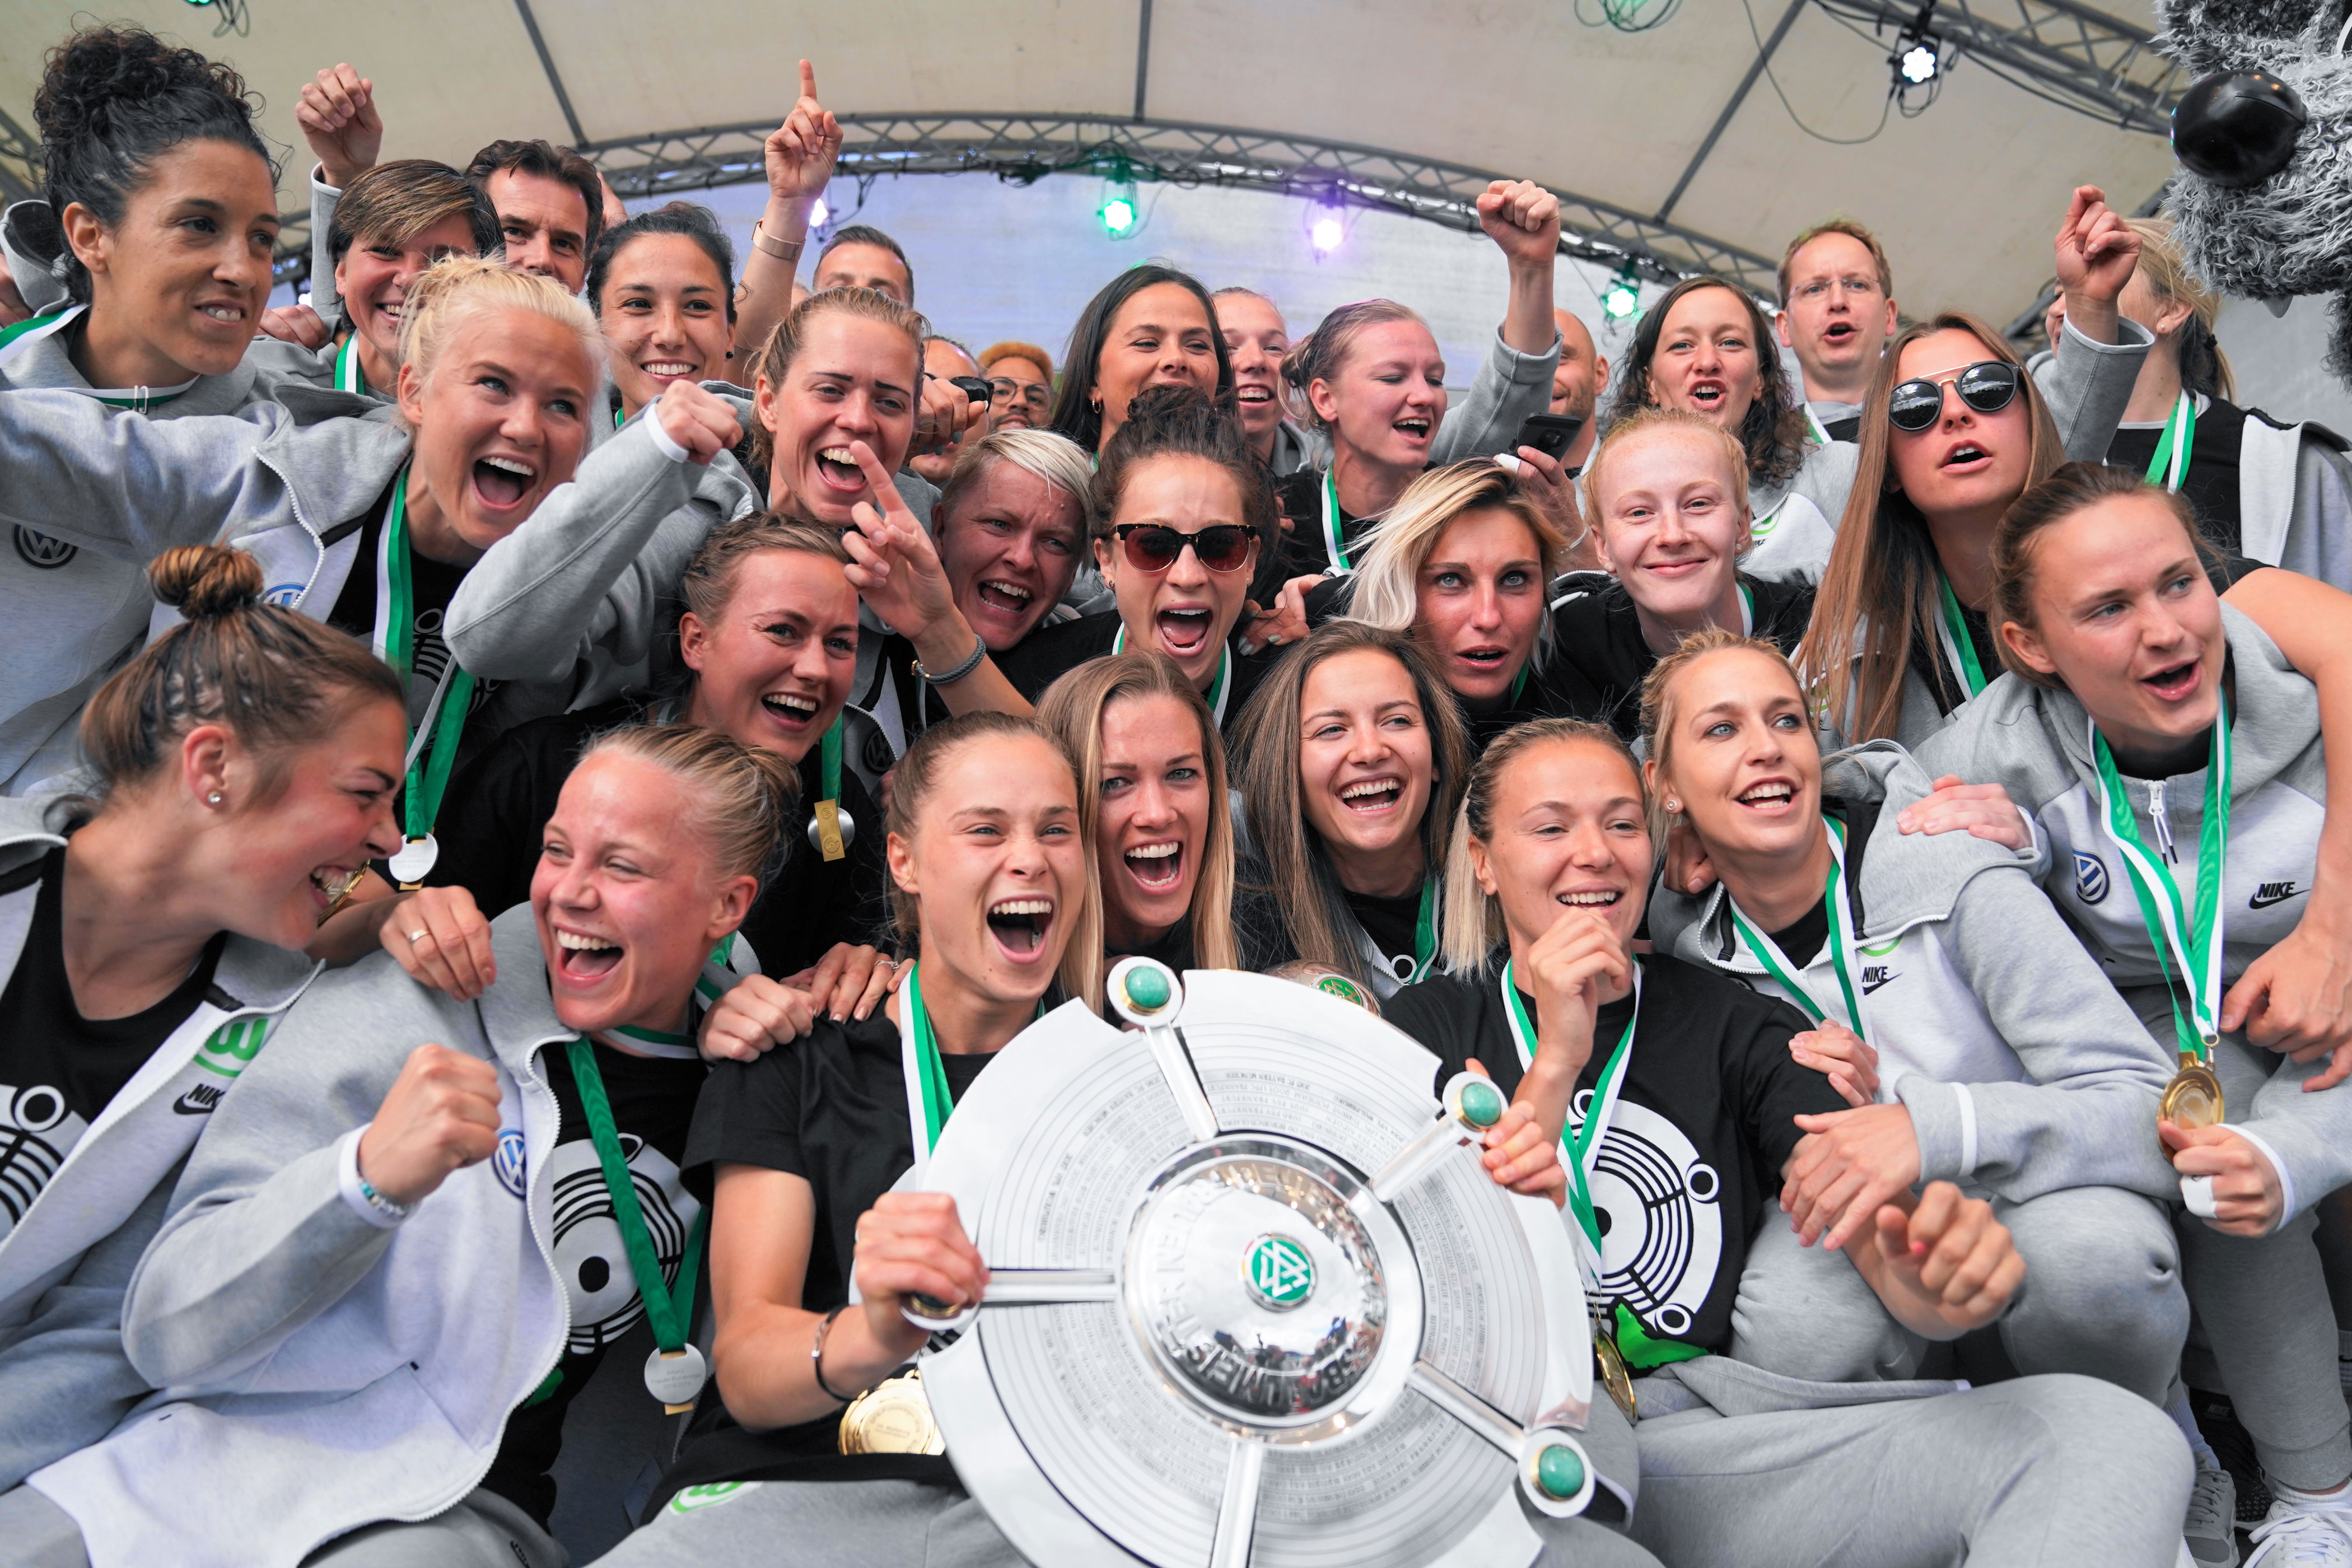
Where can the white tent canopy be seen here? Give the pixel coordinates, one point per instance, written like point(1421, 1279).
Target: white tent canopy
point(1675, 119)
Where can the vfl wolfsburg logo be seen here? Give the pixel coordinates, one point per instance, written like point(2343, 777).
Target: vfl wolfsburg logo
point(1279, 1273)
point(689, 1499)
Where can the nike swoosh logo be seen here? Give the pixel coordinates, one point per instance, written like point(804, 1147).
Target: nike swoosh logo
point(200, 1100)
point(1869, 986)
point(2263, 901)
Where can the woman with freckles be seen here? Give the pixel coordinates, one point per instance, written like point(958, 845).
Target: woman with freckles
point(1950, 1004)
point(385, 1257)
point(1350, 759)
point(1677, 1106)
point(1151, 773)
point(2174, 762)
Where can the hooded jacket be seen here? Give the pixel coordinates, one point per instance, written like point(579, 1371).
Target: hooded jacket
point(292, 482)
point(64, 1264)
point(2034, 741)
point(282, 1326)
point(2087, 385)
point(71, 612)
point(2022, 1071)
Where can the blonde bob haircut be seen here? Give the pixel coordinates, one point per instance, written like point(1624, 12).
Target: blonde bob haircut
point(912, 783)
point(1470, 927)
point(1387, 589)
point(1644, 421)
point(460, 285)
point(1073, 708)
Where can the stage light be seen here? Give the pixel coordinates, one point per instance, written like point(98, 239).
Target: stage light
point(1917, 65)
point(818, 213)
point(1118, 215)
point(1622, 298)
point(1326, 236)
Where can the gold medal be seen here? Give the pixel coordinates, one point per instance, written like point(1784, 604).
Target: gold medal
point(2193, 1097)
point(1611, 1367)
point(892, 1417)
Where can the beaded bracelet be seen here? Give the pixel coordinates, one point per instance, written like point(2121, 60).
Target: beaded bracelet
point(950, 676)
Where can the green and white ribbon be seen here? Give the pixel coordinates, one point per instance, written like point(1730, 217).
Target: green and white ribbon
point(349, 378)
point(1843, 942)
point(1333, 541)
point(1221, 685)
point(2189, 937)
point(929, 1099)
point(1959, 648)
point(394, 641)
point(1580, 1142)
point(669, 1304)
point(2170, 465)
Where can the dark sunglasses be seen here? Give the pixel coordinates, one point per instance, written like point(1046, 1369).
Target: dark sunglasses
point(1986, 387)
point(1153, 547)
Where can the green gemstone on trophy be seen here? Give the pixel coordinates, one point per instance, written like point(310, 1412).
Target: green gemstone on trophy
point(1279, 1273)
point(1559, 1472)
point(1147, 988)
point(1482, 1104)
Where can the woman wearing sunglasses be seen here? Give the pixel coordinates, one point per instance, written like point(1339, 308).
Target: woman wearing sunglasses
point(1349, 762)
point(1181, 511)
point(1953, 432)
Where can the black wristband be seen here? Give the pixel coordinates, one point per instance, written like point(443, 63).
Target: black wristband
point(950, 676)
point(817, 1356)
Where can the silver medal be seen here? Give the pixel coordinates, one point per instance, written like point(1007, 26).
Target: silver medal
point(413, 862)
point(848, 830)
point(675, 1377)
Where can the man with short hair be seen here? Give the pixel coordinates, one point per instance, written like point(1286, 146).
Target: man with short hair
point(1837, 311)
point(1576, 386)
point(862, 257)
point(550, 204)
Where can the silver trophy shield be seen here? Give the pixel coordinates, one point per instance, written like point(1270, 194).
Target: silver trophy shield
point(1252, 1298)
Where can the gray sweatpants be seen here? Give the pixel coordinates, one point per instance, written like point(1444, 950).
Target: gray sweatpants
point(2102, 1297)
point(483, 1531)
point(2058, 1470)
point(2262, 1303)
point(912, 1524)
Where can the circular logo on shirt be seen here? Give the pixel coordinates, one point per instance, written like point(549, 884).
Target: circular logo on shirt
point(508, 1160)
point(2090, 878)
point(1660, 1230)
point(591, 1258)
point(283, 595)
point(1279, 1273)
point(40, 551)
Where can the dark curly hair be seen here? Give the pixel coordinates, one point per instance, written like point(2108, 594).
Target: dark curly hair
point(114, 99)
point(1773, 434)
point(1181, 421)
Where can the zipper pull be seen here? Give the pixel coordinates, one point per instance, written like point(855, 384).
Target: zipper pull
point(2160, 820)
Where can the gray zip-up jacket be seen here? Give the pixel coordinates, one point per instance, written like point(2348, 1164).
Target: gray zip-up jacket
point(292, 482)
point(1509, 387)
point(2087, 385)
point(2024, 1072)
point(64, 1264)
point(283, 1327)
point(2034, 741)
point(71, 613)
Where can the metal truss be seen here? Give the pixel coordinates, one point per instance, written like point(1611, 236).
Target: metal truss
point(2066, 53)
point(1023, 149)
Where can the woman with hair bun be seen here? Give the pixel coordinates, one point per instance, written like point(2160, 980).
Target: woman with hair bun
point(663, 287)
point(371, 525)
point(242, 771)
point(416, 1231)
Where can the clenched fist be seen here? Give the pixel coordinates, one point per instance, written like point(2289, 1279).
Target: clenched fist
point(442, 1115)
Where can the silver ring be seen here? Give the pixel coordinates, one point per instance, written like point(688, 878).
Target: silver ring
point(419, 934)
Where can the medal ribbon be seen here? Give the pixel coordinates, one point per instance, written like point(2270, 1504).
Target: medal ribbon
point(677, 1048)
point(668, 1308)
point(1959, 648)
point(2169, 466)
point(1333, 541)
point(395, 634)
point(828, 807)
point(349, 378)
point(1424, 931)
point(1820, 431)
point(1580, 1143)
point(1843, 940)
point(929, 1101)
point(1221, 685)
point(1747, 611)
point(2195, 946)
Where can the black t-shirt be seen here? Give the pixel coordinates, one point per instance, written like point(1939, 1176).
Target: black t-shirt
point(2212, 483)
point(1172, 947)
point(498, 805)
point(1691, 1162)
point(1599, 658)
point(1299, 494)
point(59, 1069)
point(1803, 939)
point(653, 1100)
point(1050, 652)
point(1393, 924)
point(1945, 684)
point(832, 1109)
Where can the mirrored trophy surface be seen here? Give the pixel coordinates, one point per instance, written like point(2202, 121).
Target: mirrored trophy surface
point(1254, 1298)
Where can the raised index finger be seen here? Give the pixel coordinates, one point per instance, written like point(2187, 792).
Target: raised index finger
point(887, 498)
point(808, 80)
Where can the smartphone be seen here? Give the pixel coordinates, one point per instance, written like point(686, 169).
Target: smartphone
point(1550, 434)
point(980, 391)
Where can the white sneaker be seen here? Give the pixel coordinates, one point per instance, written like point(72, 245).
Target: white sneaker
point(2211, 1531)
point(2293, 1536)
